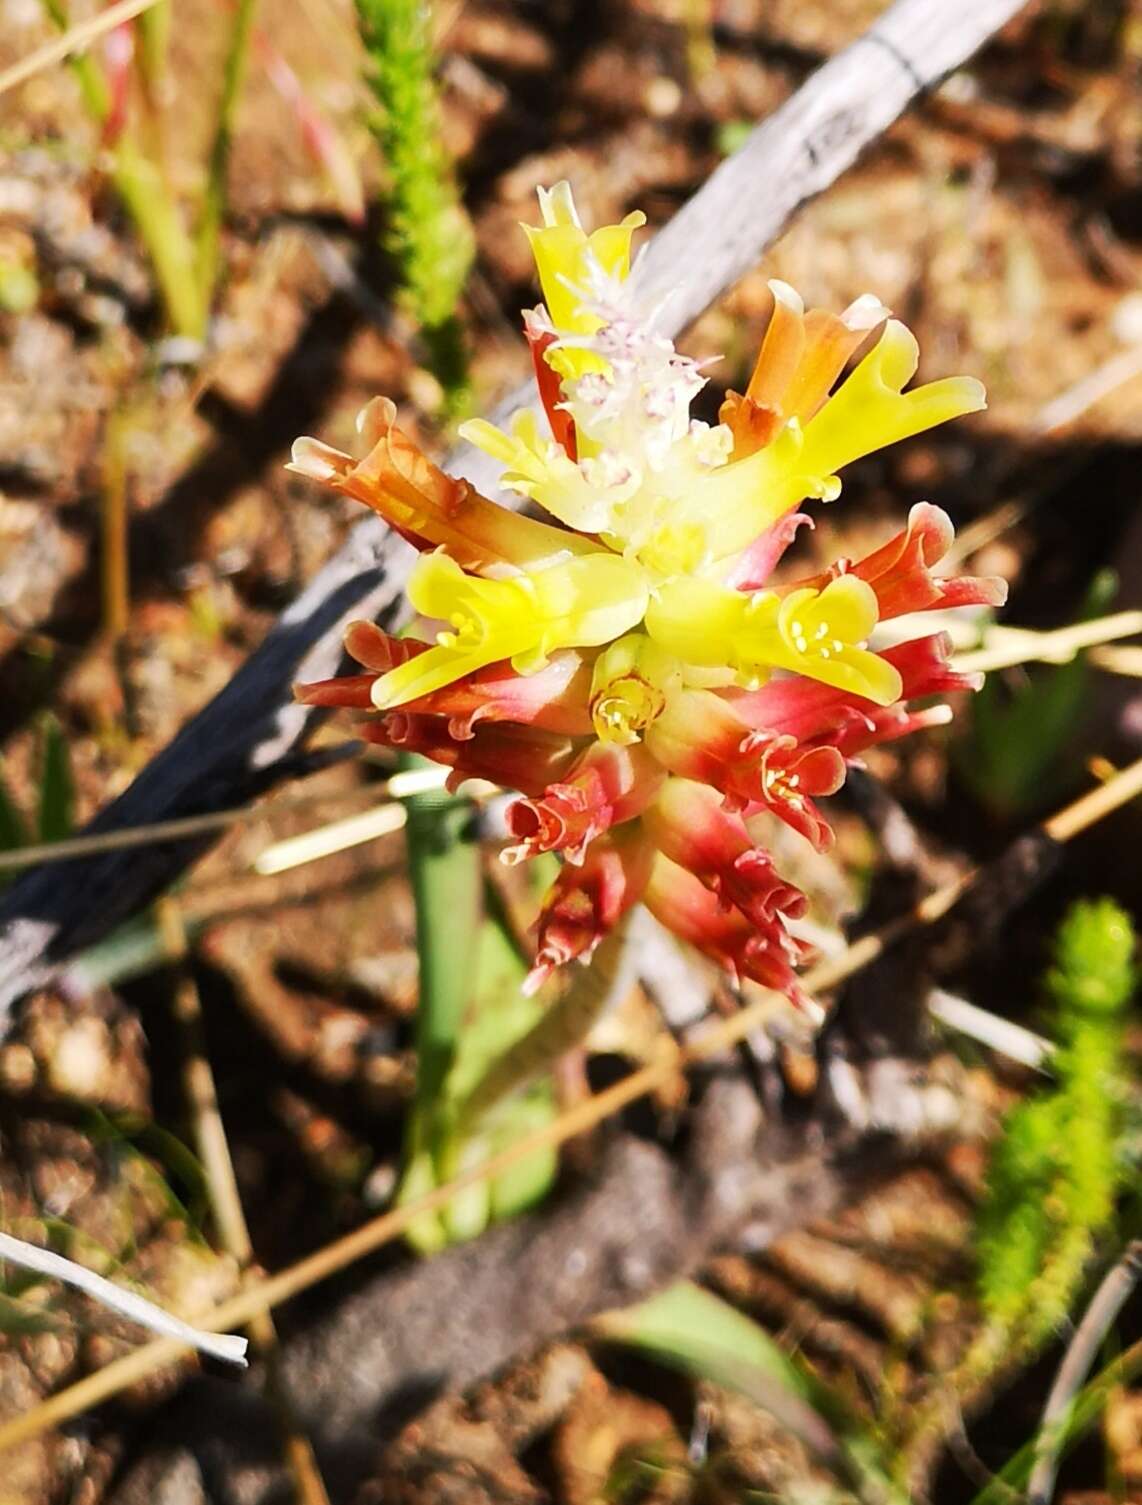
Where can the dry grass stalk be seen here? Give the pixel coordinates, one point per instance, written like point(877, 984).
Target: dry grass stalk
point(225, 1200)
point(74, 40)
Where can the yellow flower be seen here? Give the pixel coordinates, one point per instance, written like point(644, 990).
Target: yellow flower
point(824, 635)
point(820, 634)
point(564, 254)
point(580, 604)
point(870, 411)
point(536, 467)
point(682, 692)
point(629, 687)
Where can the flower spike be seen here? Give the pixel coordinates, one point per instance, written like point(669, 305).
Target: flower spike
point(631, 669)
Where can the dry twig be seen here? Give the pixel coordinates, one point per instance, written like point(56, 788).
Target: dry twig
point(226, 1202)
point(117, 1299)
point(1007, 647)
point(74, 40)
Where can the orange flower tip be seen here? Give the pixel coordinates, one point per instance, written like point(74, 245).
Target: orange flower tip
point(318, 461)
point(375, 419)
point(788, 296)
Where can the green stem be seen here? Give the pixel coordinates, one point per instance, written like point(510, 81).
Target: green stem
point(154, 36)
point(565, 1025)
point(447, 885)
point(92, 85)
point(152, 33)
point(214, 202)
point(140, 185)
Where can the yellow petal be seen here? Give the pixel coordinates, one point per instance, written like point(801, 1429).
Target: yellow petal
point(537, 467)
point(736, 502)
point(583, 603)
point(563, 251)
point(846, 609)
point(870, 411)
point(630, 683)
point(820, 634)
point(701, 622)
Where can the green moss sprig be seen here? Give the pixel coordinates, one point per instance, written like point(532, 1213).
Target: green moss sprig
point(428, 234)
point(1055, 1174)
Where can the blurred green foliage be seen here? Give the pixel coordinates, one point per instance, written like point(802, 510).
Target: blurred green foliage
point(55, 796)
point(690, 1328)
point(1056, 1173)
point(470, 1010)
point(428, 234)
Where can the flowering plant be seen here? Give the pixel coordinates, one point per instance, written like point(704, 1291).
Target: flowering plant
point(632, 669)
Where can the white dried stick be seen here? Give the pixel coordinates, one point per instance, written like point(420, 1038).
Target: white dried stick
point(227, 1346)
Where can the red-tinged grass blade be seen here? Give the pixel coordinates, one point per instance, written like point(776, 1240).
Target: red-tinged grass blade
point(325, 144)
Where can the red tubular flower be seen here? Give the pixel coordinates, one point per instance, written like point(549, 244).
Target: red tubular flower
point(609, 784)
point(374, 649)
point(900, 571)
point(554, 699)
point(352, 692)
point(885, 724)
point(766, 954)
point(690, 825)
point(701, 736)
point(790, 776)
point(924, 670)
point(922, 664)
point(540, 338)
point(814, 713)
point(586, 902)
point(517, 757)
point(377, 650)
